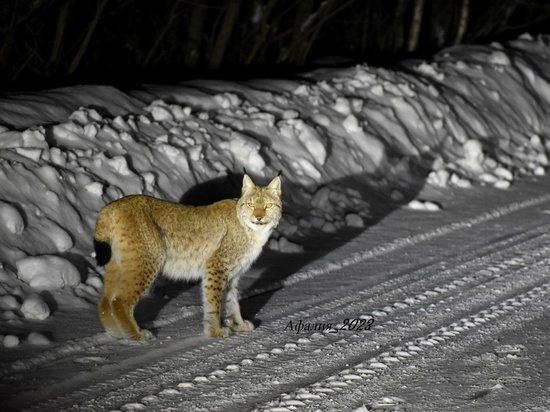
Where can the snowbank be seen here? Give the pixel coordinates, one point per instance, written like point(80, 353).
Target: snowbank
point(25, 110)
point(473, 114)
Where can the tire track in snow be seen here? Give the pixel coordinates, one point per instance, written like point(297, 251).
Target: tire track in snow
point(80, 345)
point(329, 392)
point(252, 354)
point(429, 320)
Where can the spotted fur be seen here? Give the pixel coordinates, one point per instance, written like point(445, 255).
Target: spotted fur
point(141, 236)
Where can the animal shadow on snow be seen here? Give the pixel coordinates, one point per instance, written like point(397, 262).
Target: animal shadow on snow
point(316, 243)
point(276, 266)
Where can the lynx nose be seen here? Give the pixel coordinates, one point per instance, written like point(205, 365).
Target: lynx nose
point(258, 218)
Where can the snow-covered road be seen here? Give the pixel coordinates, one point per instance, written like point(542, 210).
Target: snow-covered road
point(458, 314)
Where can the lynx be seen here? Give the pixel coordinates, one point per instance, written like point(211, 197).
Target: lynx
point(139, 236)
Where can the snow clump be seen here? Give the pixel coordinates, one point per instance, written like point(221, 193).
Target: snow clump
point(34, 307)
point(48, 272)
point(11, 218)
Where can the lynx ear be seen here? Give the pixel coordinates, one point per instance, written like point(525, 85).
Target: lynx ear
point(248, 184)
point(275, 185)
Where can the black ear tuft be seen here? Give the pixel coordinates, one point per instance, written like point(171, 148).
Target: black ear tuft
point(244, 170)
point(280, 172)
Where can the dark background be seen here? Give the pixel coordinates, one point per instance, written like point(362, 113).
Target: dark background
point(47, 43)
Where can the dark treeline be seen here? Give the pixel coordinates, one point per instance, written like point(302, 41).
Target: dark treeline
point(49, 42)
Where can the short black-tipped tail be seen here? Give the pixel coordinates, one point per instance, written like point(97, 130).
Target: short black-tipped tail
point(102, 252)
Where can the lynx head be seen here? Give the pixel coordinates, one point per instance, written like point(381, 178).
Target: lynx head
point(260, 207)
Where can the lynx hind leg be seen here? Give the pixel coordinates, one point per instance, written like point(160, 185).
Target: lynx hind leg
point(232, 311)
point(213, 287)
point(125, 283)
point(111, 280)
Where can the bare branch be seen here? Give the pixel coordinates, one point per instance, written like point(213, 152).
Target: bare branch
point(172, 18)
point(82, 50)
point(415, 25)
point(194, 34)
point(463, 21)
point(261, 38)
point(59, 32)
point(224, 34)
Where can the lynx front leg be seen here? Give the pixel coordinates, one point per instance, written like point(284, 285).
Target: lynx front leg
point(232, 310)
point(213, 287)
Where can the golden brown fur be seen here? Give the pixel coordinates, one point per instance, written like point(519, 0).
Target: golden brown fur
point(214, 243)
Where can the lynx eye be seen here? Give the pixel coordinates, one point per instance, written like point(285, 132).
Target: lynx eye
point(269, 205)
point(250, 204)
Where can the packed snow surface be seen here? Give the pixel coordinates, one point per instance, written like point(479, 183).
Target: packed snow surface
point(472, 115)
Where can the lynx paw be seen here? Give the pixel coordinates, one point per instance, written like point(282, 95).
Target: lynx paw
point(144, 334)
point(136, 340)
point(141, 336)
point(217, 332)
point(245, 326)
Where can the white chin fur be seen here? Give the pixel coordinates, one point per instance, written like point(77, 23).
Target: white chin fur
point(257, 227)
